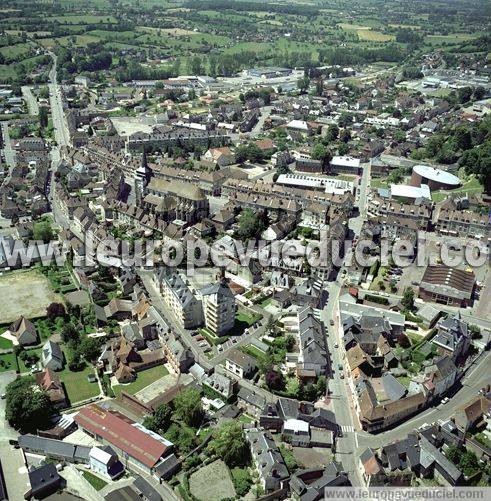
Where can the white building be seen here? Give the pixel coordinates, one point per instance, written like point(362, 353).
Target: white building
point(346, 164)
point(179, 298)
point(218, 308)
point(240, 363)
point(104, 460)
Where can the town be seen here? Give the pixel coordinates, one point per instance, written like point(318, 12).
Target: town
point(348, 348)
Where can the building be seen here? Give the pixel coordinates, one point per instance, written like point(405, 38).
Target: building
point(52, 356)
point(240, 364)
point(462, 223)
point(269, 462)
point(57, 450)
point(313, 358)
point(177, 355)
point(452, 338)
point(436, 179)
point(44, 482)
point(220, 386)
point(104, 460)
point(24, 332)
point(472, 413)
point(346, 165)
point(409, 194)
point(179, 298)
point(184, 201)
point(51, 384)
point(220, 156)
point(218, 307)
point(445, 285)
point(142, 448)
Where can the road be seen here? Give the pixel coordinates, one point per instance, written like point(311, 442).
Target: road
point(257, 129)
point(31, 100)
point(339, 391)
point(57, 113)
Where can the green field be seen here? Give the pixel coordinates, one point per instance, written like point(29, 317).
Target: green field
point(96, 482)
point(471, 186)
point(77, 386)
point(143, 379)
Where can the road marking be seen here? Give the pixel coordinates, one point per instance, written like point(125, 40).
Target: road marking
point(347, 428)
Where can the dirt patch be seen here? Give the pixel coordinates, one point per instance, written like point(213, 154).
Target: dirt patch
point(312, 457)
point(25, 293)
point(212, 483)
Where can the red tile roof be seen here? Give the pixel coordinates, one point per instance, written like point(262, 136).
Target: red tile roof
point(110, 427)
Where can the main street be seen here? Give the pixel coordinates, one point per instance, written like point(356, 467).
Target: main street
point(339, 391)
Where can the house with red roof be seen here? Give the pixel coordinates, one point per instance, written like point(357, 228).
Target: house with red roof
point(143, 448)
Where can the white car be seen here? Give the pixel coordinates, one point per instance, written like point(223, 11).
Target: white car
point(445, 400)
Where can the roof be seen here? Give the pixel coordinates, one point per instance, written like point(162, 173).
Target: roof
point(149, 493)
point(407, 191)
point(241, 359)
point(449, 281)
point(296, 426)
point(437, 175)
point(136, 443)
point(44, 478)
point(345, 161)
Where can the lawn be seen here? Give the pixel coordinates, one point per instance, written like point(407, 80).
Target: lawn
point(143, 379)
point(5, 344)
point(7, 362)
point(471, 186)
point(26, 368)
point(212, 482)
point(254, 352)
point(76, 385)
point(96, 482)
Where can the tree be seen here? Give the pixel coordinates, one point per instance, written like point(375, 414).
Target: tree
point(89, 348)
point(43, 116)
point(464, 94)
point(320, 152)
point(242, 481)
point(454, 454)
point(69, 333)
point(42, 231)
point(303, 83)
point(182, 437)
point(188, 408)
point(161, 419)
point(230, 444)
point(274, 380)
point(468, 463)
point(403, 340)
point(407, 300)
point(332, 132)
point(55, 310)
point(251, 224)
point(479, 93)
point(28, 408)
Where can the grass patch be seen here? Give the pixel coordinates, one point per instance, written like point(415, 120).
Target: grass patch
point(143, 379)
point(254, 352)
point(96, 482)
point(77, 386)
point(8, 362)
point(212, 338)
point(5, 344)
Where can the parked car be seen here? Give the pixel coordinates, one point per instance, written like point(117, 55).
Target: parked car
point(331, 322)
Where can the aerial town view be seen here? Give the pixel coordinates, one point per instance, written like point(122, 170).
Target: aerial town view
point(245, 250)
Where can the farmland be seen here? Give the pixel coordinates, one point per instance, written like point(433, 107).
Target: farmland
point(222, 37)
